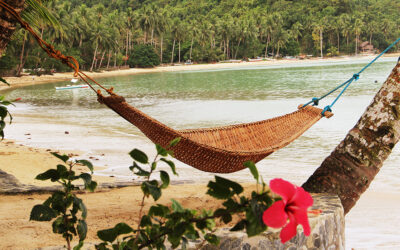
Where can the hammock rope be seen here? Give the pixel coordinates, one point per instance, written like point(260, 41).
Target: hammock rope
point(217, 150)
point(346, 84)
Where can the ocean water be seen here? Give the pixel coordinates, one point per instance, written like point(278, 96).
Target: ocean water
point(207, 98)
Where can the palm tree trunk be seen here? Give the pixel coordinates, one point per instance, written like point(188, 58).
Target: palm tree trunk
point(94, 56)
point(191, 49)
point(320, 42)
point(173, 50)
point(352, 166)
point(237, 49)
point(108, 61)
point(115, 59)
point(161, 48)
point(8, 24)
point(20, 66)
point(179, 52)
point(338, 43)
point(266, 48)
point(101, 60)
point(356, 43)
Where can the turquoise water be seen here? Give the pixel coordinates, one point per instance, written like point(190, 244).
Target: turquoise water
point(204, 99)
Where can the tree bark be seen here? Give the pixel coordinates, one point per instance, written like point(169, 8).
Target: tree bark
point(8, 23)
point(101, 60)
point(352, 166)
point(320, 42)
point(173, 50)
point(94, 57)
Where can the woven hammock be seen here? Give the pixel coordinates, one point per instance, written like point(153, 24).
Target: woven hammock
point(221, 149)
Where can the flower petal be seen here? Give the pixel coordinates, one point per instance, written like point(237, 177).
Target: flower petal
point(275, 216)
point(284, 188)
point(302, 198)
point(302, 219)
point(289, 231)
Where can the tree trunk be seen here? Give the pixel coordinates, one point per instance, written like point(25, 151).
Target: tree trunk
point(115, 59)
point(94, 57)
point(8, 23)
point(21, 65)
point(101, 60)
point(266, 48)
point(179, 52)
point(191, 49)
point(161, 49)
point(338, 43)
point(320, 42)
point(352, 166)
point(173, 50)
point(108, 61)
point(237, 49)
point(356, 44)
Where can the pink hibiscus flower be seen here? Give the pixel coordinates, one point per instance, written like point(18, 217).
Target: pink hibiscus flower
point(293, 206)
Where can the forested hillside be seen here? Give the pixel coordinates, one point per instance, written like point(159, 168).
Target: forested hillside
point(105, 33)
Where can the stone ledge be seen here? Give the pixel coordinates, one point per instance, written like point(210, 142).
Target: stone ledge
point(327, 232)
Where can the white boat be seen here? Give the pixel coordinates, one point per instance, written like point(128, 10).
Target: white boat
point(73, 87)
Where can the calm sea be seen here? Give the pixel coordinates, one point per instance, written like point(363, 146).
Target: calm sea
point(207, 98)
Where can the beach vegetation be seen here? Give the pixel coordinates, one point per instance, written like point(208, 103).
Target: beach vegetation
point(63, 207)
point(172, 225)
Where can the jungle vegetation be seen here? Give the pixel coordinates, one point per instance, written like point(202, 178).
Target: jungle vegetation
point(103, 34)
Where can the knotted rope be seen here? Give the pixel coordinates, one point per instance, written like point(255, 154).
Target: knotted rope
point(346, 84)
point(56, 54)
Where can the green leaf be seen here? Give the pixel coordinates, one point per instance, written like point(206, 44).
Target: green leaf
point(3, 112)
point(171, 164)
point(64, 158)
point(79, 246)
point(4, 81)
point(139, 156)
point(111, 234)
point(161, 151)
point(175, 141)
point(239, 226)
point(176, 207)
point(152, 189)
point(82, 230)
point(122, 228)
point(145, 221)
point(212, 238)
point(223, 188)
point(58, 226)
point(42, 213)
point(81, 206)
point(49, 174)
point(165, 179)
point(159, 210)
point(62, 171)
point(253, 169)
point(108, 235)
point(140, 172)
point(86, 163)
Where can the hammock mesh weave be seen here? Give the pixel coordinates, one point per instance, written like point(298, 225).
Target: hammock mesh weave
point(221, 149)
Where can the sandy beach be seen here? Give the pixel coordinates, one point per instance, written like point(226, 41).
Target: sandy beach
point(26, 80)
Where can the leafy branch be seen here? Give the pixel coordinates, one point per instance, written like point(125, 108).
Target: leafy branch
point(63, 206)
point(177, 224)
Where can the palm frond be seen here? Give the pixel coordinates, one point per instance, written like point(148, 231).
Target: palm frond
point(37, 14)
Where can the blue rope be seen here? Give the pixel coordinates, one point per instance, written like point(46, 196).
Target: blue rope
point(346, 84)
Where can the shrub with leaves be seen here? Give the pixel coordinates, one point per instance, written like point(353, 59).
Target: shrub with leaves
point(4, 110)
point(63, 206)
point(177, 224)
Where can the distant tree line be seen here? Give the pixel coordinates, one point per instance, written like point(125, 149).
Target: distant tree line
point(104, 34)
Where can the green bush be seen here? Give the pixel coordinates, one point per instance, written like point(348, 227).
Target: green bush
point(143, 56)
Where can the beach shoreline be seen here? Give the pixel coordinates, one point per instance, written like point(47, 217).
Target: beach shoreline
point(27, 80)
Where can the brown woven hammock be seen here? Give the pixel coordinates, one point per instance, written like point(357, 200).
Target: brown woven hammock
point(221, 149)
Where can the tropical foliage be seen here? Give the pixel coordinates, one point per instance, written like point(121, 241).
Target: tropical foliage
point(100, 34)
